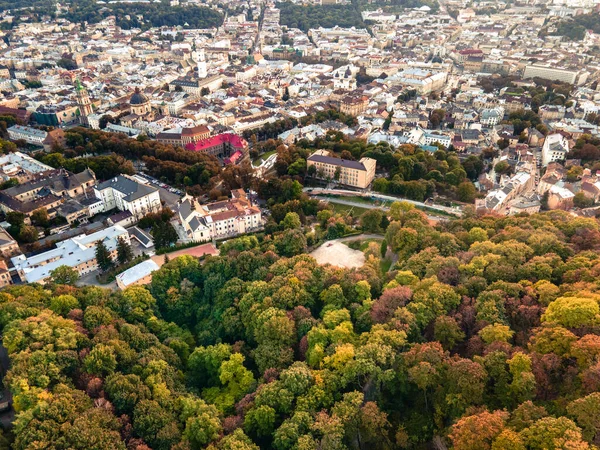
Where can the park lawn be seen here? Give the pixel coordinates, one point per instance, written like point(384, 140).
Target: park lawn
point(346, 209)
point(386, 265)
point(263, 157)
point(362, 244)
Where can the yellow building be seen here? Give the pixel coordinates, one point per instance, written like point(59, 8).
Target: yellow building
point(358, 174)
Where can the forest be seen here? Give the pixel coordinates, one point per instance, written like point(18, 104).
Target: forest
point(315, 16)
point(574, 29)
point(483, 336)
point(154, 14)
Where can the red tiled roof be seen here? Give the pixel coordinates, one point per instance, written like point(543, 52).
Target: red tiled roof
point(470, 51)
point(233, 158)
point(232, 139)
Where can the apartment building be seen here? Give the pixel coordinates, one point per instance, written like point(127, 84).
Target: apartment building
point(8, 246)
point(126, 194)
point(78, 253)
point(358, 174)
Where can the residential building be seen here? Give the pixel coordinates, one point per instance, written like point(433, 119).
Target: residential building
point(8, 246)
point(78, 253)
point(560, 198)
point(555, 148)
point(126, 194)
point(5, 278)
point(354, 105)
point(47, 191)
point(30, 135)
point(358, 174)
point(491, 117)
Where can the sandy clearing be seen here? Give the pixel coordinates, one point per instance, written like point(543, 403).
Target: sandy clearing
point(338, 254)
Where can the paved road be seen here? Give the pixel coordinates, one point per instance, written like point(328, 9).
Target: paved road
point(369, 194)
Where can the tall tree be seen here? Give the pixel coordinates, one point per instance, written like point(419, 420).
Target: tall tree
point(124, 251)
point(103, 256)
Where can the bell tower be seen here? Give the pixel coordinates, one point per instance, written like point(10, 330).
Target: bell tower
point(83, 101)
point(202, 69)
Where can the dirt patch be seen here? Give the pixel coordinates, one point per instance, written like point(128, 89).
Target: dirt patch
point(338, 254)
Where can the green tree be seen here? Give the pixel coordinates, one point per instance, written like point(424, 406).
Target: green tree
point(40, 217)
point(581, 201)
point(103, 257)
point(63, 304)
point(124, 251)
point(573, 312)
point(466, 192)
point(64, 275)
point(164, 234)
point(370, 220)
point(28, 234)
point(291, 221)
point(156, 425)
point(290, 242)
point(100, 361)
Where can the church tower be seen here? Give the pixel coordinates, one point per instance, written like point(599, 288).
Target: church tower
point(202, 69)
point(83, 101)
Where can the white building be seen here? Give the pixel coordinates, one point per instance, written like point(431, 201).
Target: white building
point(492, 117)
point(555, 148)
point(137, 275)
point(419, 136)
point(78, 253)
point(220, 219)
point(126, 194)
point(21, 166)
point(550, 73)
point(28, 134)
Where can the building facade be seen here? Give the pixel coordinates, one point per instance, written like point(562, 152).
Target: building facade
point(126, 194)
point(358, 174)
point(555, 148)
point(217, 220)
point(79, 253)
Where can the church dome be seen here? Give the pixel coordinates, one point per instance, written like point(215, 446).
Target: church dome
point(138, 98)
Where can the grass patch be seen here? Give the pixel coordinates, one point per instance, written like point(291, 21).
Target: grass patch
point(362, 244)
point(354, 211)
point(258, 161)
point(386, 265)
